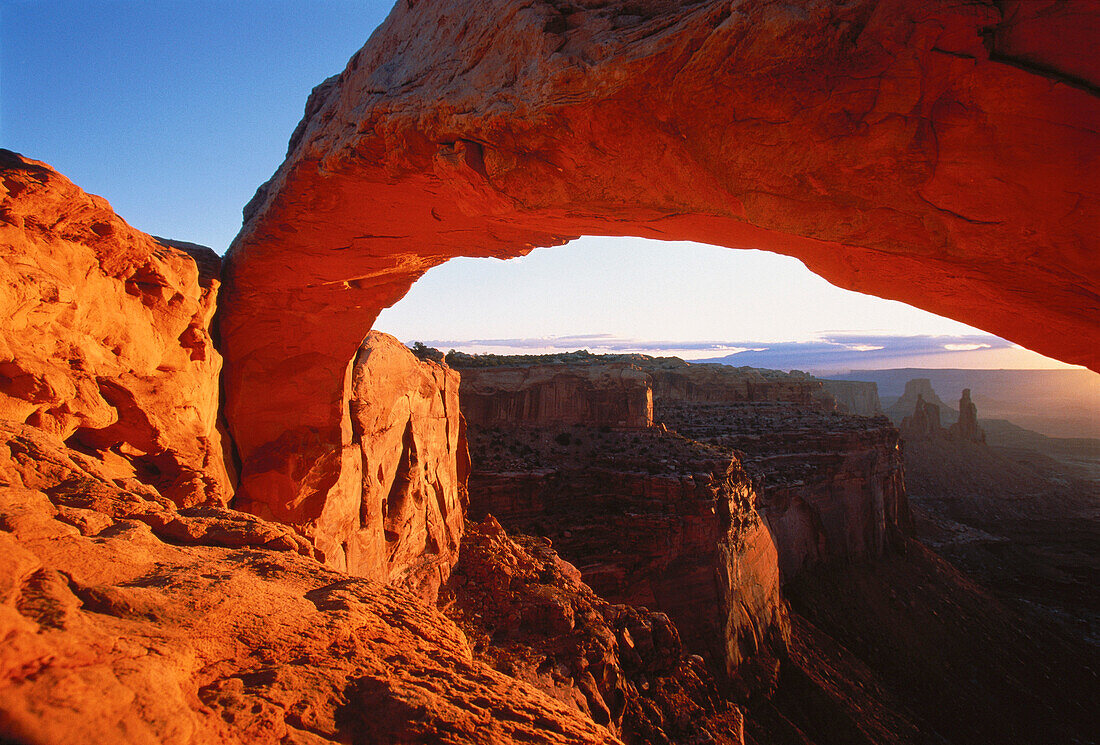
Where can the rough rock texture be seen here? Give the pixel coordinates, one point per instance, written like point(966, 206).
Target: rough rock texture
point(967, 427)
point(934, 152)
point(831, 486)
point(396, 514)
point(105, 336)
point(528, 615)
point(854, 396)
point(125, 620)
point(611, 395)
point(650, 519)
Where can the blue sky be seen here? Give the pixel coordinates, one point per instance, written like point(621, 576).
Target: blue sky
point(176, 111)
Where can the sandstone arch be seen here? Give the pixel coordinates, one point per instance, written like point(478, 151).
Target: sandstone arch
point(938, 153)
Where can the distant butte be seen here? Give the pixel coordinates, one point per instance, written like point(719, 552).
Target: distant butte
point(937, 153)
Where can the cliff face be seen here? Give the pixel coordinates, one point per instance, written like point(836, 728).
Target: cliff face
point(528, 614)
point(612, 395)
point(854, 396)
point(966, 428)
point(920, 388)
point(676, 380)
point(938, 153)
point(831, 486)
point(394, 512)
point(105, 336)
point(651, 520)
point(923, 423)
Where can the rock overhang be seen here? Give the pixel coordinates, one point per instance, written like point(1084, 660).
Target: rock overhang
point(928, 152)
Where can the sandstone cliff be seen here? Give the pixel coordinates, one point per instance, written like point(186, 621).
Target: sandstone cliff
point(934, 152)
point(855, 396)
point(831, 486)
point(920, 388)
point(105, 336)
point(966, 428)
point(609, 395)
point(395, 510)
point(923, 423)
point(650, 519)
point(528, 614)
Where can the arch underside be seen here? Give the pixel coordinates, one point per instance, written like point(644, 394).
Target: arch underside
point(939, 154)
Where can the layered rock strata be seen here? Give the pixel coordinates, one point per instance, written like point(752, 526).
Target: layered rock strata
point(651, 520)
point(105, 336)
point(601, 395)
point(831, 486)
point(937, 153)
point(854, 396)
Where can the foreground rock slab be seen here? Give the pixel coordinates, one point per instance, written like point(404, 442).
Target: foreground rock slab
point(219, 630)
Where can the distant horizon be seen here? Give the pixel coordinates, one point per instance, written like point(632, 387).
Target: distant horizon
point(833, 354)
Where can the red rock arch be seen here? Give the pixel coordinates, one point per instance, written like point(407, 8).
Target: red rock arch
point(937, 153)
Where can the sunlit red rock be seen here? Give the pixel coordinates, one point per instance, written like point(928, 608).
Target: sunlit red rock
point(651, 519)
point(116, 631)
point(105, 336)
point(390, 507)
point(880, 142)
point(831, 486)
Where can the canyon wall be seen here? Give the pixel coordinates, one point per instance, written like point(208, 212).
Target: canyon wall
point(527, 612)
point(854, 396)
point(607, 395)
point(105, 337)
point(764, 489)
point(831, 486)
point(938, 153)
point(651, 520)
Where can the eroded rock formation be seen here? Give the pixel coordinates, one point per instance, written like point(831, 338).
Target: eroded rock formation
point(831, 486)
point(528, 614)
point(967, 427)
point(939, 153)
point(923, 423)
point(920, 389)
point(396, 515)
point(105, 336)
point(854, 396)
point(127, 620)
point(617, 394)
point(650, 519)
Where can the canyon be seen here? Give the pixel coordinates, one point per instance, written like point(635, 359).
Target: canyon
point(230, 511)
point(523, 550)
